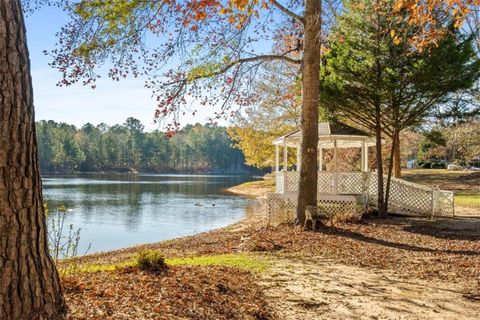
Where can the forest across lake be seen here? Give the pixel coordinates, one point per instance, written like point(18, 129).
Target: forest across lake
point(64, 148)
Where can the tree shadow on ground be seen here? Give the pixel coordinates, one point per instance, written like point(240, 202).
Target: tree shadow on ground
point(448, 229)
point(342, 232)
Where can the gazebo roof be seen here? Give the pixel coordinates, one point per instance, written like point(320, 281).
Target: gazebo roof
point(328, 132)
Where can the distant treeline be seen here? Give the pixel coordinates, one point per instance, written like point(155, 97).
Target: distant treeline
point(126, 147)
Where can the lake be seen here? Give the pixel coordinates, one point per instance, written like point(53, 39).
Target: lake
point(121, 210)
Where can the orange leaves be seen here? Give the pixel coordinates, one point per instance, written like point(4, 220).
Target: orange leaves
point(200, 15)
point(240, 4)
point(428, 15)
point(199, 10)
point(237, 11)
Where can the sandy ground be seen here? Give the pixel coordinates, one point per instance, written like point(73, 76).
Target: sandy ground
point(462, 211)
point(301, 290)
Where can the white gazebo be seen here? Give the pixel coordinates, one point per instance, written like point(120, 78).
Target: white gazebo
point(330, 136)
point(347, 191)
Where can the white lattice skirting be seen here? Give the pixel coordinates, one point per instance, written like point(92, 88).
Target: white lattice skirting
point(405, 197)
point(282, 207)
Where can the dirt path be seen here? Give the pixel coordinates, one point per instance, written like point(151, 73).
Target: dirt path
point(301, 290)
point(462, 211)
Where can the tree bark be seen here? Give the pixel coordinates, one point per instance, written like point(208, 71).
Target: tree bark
point(307, 191)
point(394, 148)
point(397, 162)
point(29, 283)
point(380, 185)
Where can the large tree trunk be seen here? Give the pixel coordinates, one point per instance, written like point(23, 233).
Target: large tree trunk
point(397, 162)
point(29, 283)
point(307, 191)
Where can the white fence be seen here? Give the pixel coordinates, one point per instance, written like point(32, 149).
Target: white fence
point(405, 197)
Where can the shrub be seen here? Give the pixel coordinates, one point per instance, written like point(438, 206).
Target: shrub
point(150, 260)
point(438, 165)
point(426, 165)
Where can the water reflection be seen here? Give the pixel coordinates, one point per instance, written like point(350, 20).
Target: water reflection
point(115, 211)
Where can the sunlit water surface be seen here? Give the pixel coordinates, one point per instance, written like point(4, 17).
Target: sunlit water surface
point(116, 211)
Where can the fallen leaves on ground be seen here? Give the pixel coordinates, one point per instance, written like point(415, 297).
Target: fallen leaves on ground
point(180, 293)
point(446, 249)
point(408, 248)
point(412, 248)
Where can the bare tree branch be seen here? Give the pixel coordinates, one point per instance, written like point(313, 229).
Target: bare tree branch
point(289, 13)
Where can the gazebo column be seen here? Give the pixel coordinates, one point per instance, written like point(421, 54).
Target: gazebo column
point(335, 168)
point(364, 157)
point(299, 157)
point(277, 158)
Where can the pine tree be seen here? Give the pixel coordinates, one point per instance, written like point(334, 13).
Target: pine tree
point(377, 80)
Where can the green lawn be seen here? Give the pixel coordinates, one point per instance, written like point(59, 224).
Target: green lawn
point(468, 199)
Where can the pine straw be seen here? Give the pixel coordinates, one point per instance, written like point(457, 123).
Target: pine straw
point(446, 249)
point(180, 293)
point(410, 250)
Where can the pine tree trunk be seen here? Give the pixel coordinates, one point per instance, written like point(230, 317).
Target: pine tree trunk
point(380, 185)
point(29, 283)
point(397, 162)
point(307, 191)
point(394, 148)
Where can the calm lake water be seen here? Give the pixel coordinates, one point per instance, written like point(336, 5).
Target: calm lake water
point(116, 211)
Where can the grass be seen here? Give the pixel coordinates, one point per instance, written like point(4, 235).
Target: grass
point(267, 183)
point(467, 199)
point(242, 261)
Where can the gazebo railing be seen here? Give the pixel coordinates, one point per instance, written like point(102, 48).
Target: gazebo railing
point(405, 197)
point(328, 182)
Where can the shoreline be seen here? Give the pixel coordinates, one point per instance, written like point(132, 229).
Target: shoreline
point(257, 188)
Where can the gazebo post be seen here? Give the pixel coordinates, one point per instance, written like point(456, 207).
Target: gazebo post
point(364, 157)
point(277, 158)
point(335, 167)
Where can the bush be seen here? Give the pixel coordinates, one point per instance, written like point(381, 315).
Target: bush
point(426, 165)
point(150, 260)
point(438, 165)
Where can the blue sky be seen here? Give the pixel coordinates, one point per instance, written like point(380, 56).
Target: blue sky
point(111, 102)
